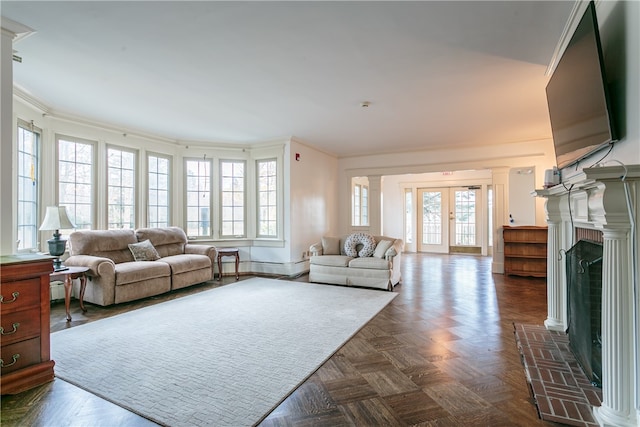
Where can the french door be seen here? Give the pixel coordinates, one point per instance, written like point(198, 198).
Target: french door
point(433, 223)
point(449, 220)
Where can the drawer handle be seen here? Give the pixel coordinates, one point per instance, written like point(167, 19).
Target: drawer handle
point(15, 359)
point(14, 295)
point(15, 329)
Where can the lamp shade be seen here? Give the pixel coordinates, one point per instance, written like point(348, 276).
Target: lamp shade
point(56, 218)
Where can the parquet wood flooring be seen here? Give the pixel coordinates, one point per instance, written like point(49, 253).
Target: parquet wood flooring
point(442, 353)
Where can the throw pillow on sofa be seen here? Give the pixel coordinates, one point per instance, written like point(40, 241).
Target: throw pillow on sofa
point(381, 248)
point(330, 246)
point(366, 240)
point(144, 251)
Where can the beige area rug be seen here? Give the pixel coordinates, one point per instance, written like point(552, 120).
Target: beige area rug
point(224, 357)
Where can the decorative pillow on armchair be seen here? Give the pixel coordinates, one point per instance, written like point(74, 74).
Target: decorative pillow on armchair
point(143, 251)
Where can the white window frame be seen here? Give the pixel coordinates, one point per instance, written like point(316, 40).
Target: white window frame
point(271, 192)
point(28, 219)
point(151, 198)
point(228, 193)
point(127, 218)
point(202, 190)
point(360, 202)
point(72, 207)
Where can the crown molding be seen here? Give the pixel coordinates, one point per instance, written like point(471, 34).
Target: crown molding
point(15, 30)
point(26, 98)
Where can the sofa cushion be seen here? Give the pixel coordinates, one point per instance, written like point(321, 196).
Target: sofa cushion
point(182, 263)
point(167, 241)
point(112, 244)
point(381, 248)
point(331, 260)
point(331, 246)
point(131, 272)
point(370, 263)
point(359, 244)
point(143, 251)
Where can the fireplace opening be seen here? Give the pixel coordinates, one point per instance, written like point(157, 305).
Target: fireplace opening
point(584, 282)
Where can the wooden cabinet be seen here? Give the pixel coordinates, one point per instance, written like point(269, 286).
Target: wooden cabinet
point(24, 315)
point(525, 251)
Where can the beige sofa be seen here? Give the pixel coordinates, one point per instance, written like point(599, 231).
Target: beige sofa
point(114, 274)
point(381, 270)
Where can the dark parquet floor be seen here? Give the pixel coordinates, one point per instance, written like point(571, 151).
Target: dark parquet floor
point(442, 353)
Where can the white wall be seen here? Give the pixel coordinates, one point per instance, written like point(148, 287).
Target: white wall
point(314, 205)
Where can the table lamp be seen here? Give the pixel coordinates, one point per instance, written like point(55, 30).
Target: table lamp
point(56, 218)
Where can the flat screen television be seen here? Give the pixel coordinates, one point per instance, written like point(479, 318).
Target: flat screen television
point(578, 97)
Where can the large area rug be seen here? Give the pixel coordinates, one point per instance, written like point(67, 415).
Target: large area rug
point(223, 357)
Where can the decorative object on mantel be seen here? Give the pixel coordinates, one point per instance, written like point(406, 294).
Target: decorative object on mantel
point(56, 219)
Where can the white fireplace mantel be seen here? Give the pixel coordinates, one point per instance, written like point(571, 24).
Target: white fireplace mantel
point(606, 199)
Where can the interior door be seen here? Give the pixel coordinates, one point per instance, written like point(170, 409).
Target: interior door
point(433, 225)
point(466, 220)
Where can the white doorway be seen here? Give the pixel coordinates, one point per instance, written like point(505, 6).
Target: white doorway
point(450, 220)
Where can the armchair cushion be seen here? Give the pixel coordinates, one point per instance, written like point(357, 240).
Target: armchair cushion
point(371, 263)
point(331, 260)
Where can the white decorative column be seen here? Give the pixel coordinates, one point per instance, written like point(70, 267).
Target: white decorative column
point(617, 332)
point(10, 31)
point(7, 240)
point(556, 291)
point(375, 204)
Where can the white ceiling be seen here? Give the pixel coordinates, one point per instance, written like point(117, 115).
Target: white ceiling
point(436, 73)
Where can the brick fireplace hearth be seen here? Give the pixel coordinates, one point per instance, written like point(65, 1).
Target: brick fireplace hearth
point(561, 390)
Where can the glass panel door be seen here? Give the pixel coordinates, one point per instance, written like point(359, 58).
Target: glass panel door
point(432, 220)
point(464, 216)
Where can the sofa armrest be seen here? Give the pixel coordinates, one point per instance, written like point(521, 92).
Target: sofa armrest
point(207, 250)
point(316, 249)
point(395, 249)
point(98, 266)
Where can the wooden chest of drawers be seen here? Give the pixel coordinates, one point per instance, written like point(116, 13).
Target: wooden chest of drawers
point(24, 318)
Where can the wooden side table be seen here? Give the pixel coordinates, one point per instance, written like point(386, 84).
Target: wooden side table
point(222, 252)
point(67, 276)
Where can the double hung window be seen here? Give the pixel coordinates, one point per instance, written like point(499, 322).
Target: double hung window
point(28, 185)
point(267, 190)
point(232, 198)
point(75, 180)
point(360, 202)
point(121, 189)
point(158, 204)
point(198, 197)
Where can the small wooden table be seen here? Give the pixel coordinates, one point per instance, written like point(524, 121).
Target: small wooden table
point(222, 252)
point(67, 276)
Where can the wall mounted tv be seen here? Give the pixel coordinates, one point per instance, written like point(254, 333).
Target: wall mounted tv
point(578, 97)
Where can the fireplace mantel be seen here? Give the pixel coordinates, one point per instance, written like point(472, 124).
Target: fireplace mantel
point(596, 198)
